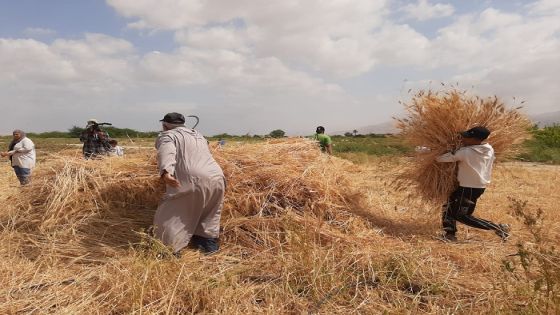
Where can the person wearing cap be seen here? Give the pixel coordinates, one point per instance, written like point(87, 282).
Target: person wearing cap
point(96, 141)
point(325, 141)
point(475, 160)
point(21, 152)
point(191, 207)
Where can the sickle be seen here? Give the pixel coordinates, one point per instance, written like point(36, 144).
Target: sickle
point(197, 120)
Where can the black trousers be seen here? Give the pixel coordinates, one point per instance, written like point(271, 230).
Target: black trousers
point(460, 207)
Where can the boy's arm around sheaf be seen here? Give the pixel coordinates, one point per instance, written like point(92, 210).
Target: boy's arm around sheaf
point(450, 157)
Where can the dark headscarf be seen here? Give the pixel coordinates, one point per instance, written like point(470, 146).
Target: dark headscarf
point(14, 141)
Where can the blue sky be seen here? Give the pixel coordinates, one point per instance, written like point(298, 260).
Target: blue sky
point(71, 19)
point(250, 66)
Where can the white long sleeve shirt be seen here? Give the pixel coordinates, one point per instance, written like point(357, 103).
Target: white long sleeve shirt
point(475, 164)
point(116, 151)
point(23, 154)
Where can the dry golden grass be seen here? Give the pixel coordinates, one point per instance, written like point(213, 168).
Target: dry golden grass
point(302, 232)
point(434, 121)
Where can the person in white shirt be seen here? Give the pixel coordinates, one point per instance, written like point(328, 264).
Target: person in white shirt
point(22, 155)
point(475, 160)
point(116, 150)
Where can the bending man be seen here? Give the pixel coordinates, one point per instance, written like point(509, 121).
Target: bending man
point(191, 207)
point(96, 141)
point(325, 141)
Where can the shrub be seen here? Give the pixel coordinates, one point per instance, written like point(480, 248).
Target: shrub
point(544, 147)
point(278, 133)
point(537, 262)
point(548, 136)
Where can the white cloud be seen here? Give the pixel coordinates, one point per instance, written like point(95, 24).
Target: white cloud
point(228, 70)
point(494, 39)
point(181, 14)
point(28, 60)
point(423, 10)
point(38, 31)
point(108, 61)
point(400, 45)
point(544, 7)
point(98, 62)
point(215, 38)
point(508, 54)
point(99, 73)
point(331, 37)
point(253, 66)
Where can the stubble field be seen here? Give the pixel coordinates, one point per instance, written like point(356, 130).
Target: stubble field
point(302, 233)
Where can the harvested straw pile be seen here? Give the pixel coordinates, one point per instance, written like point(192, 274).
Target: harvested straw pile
point(285, 177)
point(89, 209)
point(72, 242)
point(76, 235)
point(434, 121)
point(93, 209)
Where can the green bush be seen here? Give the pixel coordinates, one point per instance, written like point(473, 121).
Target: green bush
point(544, 147)
point(536, 265)
point(548, 136)
point(278, 133)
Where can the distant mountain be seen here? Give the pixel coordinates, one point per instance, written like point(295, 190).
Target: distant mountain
point(546, 119)
point(542, 120)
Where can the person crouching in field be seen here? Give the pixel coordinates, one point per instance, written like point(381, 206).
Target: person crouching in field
point(22, 155)
point(325, 141)
point(195, 184)
point(475, 160)
point(116, 149)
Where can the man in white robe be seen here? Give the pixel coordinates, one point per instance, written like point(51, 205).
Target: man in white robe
point(191, 207)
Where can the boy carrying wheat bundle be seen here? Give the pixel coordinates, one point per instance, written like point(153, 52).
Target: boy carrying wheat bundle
point(453, 167)
point(475, 160)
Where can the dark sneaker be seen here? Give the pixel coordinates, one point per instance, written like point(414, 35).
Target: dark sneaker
point(503, 231)
point(204, 244)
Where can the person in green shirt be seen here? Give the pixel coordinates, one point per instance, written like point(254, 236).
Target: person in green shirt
point(324, 140)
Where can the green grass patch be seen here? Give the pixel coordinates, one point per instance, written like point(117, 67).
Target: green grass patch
point(369, 145)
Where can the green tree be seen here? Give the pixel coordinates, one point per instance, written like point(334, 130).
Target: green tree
point(75, 131)
point(278, 133)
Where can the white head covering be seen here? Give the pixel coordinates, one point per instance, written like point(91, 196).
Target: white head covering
point(91, 122)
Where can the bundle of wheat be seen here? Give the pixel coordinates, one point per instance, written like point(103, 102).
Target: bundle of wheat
point(434, 121)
